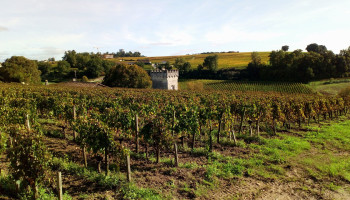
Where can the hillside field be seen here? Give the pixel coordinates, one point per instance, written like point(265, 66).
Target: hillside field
point(226, 60)
point(255, 86)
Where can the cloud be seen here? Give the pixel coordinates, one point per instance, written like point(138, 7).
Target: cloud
point(3, 28)
point(227, 34)
point(161, 44)
point(162, 37)
point(334, 40)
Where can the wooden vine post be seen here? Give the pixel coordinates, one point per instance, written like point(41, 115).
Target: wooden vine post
point(59, 186)
point(84, 155)
point(106, 161)
point(137, 132)
point(27, 122)
point(210, 137)
point(250, 127)
point(176, 163)
point(219, 129)
point(74, 118)
point(128, 167)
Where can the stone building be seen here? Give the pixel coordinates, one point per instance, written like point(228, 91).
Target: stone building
point(165, 79)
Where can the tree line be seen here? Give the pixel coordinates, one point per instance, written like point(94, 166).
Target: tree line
point(298, 66)
point(123, 53)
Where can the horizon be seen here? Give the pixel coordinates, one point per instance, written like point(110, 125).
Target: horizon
point(41, 29)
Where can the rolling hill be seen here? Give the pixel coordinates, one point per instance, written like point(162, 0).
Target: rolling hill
point(226, 60)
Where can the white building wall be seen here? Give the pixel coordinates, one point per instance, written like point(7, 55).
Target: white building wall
point(167, 80)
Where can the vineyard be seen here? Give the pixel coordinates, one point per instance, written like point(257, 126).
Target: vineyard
point(152, 144)
point(226, 60)
point(281, 87)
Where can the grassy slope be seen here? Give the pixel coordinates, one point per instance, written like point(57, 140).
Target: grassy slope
point(226, 60)
point(330, 86)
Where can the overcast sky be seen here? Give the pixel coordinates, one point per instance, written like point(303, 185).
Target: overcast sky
point(39, 29)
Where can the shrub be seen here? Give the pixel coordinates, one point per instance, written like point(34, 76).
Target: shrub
point(127, 76)
point(85, 79)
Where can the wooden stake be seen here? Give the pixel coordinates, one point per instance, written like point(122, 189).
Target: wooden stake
point(176, 155)
point(106, 162)
point(128, 167)
point(137, 132)
point(84, 155)
point(27, 122)
point(74, 118)
point(59, 186)
point(210, 137)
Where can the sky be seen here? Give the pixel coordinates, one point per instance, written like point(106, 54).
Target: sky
point(41, 29)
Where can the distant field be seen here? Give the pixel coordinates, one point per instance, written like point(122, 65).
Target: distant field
point(330, 86)
point(226, 60)
point(281, 87)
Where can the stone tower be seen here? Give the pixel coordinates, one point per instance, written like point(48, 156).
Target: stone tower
point(165, 79)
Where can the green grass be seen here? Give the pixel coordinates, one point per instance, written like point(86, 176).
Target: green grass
point(115, 180)
point(330, 86)
point(317, 152)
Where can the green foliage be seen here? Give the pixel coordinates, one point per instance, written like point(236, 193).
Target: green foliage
point(111, 181)
point(318, 63)
point(316, 48)
point(88, 64)
point(8, 185)
point(285, 48)
point(45, 68)
point(256, 59)
point(71, 58)
point(28, 157)
point(20, 69)
point(133, 192)
point(127, 76)
point(62, 69)
point(85, 79)
point(223, 170)
point(94, 68)
point(211, 63)
point(179, 62)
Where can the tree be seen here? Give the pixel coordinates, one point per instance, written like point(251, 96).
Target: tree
point(20, 69)
point(167, 65)
point(182, 65)
point(71, 57)
point(211, 62)
point(45, 68)
point(316, 48)
point(94, 67)
point(256, 59)
point(127, 76)
point(82, 60)
point(63, 68)
point(186, 67)
point(285, 48)
point(140, 63)
point(51, 59)
point(179, 62)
